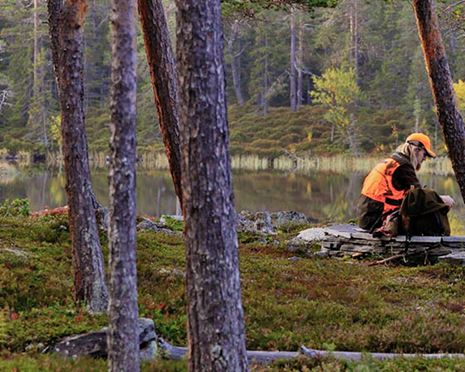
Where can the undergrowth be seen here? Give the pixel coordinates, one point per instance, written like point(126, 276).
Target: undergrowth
point(288, 301)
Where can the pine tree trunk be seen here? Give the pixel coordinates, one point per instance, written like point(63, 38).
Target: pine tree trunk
point(265, 80)
point(351, 136)
point(293, 71)
point(123, 338)
point(235, 64)
point(440, 78)
point(65, 22)
point(354, 37)
point(300, 64)
point(216, 324)
point(163, 74)
point(36, 47)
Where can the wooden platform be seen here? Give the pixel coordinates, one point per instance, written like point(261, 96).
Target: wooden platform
point(343, 240)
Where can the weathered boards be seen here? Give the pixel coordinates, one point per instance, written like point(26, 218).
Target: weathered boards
point(350, 240)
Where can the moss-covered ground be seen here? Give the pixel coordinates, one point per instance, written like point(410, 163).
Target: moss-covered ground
point(321, 303)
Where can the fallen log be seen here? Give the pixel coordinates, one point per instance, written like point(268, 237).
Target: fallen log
point(357, 356)
point(261, 357)
point(266, 357)
point(50, 212)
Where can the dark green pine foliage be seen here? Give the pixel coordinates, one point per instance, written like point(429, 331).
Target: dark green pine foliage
point(26, 76)
point(390, 73)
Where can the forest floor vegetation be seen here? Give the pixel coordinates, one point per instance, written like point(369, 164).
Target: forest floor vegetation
point(329, 304)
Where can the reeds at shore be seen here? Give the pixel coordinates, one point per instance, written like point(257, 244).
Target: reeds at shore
point(342, 163)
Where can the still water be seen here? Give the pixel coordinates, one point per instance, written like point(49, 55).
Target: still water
point(326, 196)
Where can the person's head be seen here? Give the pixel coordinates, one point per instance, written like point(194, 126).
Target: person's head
point(417, 148)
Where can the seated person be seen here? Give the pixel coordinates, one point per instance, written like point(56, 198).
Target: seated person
point(386, 185)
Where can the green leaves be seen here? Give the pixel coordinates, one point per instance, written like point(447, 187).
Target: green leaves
point(249, 7)
point(459, 88)
point(337, 91)
point(15, 207)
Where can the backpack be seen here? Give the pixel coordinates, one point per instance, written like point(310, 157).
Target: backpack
point(424, 213)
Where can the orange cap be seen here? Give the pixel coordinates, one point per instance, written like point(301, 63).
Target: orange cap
point(424, 140)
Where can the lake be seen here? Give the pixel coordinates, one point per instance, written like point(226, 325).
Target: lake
point(326, 196)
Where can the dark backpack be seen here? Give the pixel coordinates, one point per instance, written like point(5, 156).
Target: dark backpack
point(424, 213)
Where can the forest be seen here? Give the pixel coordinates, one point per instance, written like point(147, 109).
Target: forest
point(348, 78)
point(92, 286)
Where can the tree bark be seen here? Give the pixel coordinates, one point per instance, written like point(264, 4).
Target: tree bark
point(35, 57)
point(65, 22)
point(265, 80)
point(293, 70)
point(354, 37)
point(123, 337)
point(215, 315)
point(440, 79)
point(235, 63)
point(163, 75)
point(300, 63)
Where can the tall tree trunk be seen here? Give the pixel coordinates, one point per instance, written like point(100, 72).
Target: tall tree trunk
point(216, 324)
point(265, 80)
point(235, 63)
point(163, 75)
point(354, 37)
point(440, 78)
point(300, 63)
point(35, 62)
point(292, 62)
point(351, 136)
point(123, 338)
point(65, 22)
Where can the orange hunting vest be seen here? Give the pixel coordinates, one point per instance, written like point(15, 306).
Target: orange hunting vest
point(378, 185)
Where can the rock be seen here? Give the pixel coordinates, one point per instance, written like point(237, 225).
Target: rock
point(244, 222)
point(306, 240)
point(147, 224)
point(175, 273)
point(349, 240)
point(149, 352)
point(174, 217)
point(15, 251)
point(95, 343)
point(290, 218)
point(257, 223)
point(267, 223)
point(316, 234)
point(263, 223)
point(455, 258)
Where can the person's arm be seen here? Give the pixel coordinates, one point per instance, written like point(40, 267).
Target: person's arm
point(404, 177)
point(447, 200)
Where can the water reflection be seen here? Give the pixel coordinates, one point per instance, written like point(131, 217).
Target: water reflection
point(323, 195)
